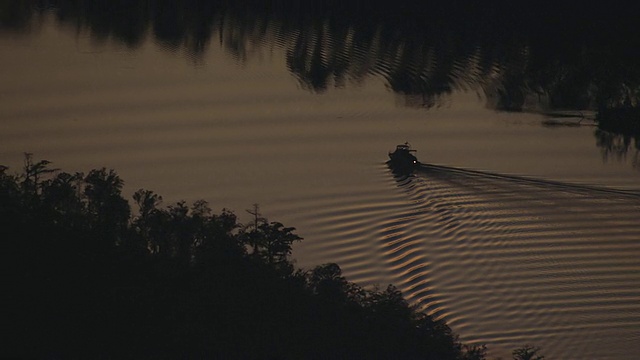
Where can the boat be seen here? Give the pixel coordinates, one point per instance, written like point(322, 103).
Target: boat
point(403, 160)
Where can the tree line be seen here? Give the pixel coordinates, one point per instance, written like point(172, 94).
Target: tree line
point(90, 278)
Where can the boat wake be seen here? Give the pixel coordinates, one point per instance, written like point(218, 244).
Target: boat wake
point(509, 260)
point(505, 260)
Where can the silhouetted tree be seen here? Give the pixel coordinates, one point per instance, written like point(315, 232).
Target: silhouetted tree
point(276, 243)
point(86, 279)
point(475, 352)
point(60, 197)
point(250, 231)
point(33, 173)
point(147, 201)
point(326, 281)
point(107, 208)
point(270, 241)
point(527, 352)
point(217, 242)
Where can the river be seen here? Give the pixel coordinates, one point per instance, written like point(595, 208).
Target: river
point(546, 255)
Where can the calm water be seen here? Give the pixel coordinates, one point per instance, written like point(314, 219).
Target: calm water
point(299, 120)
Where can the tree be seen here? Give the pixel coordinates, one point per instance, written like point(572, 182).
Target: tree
point(147, 202)
point(527, 352)
point(33, 173)
point(9, 197)
point(110, 212)
point(390, 303)
point(250, 231)
point(275, 241)
point(475, 352)
point(216, 244)
point(62, 201)
point(149, 223)
point(179, 282)
point(270, 242)
point(327, 281)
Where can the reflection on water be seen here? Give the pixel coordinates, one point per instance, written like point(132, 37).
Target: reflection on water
point(533, 258)
point(506, 260)
point(618, 133)
point(529, 57)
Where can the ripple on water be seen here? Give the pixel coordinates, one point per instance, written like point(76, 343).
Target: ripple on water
point(506, 261)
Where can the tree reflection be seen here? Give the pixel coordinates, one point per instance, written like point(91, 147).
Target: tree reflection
point(510, 54)
point(618, 133)
point(532, 57)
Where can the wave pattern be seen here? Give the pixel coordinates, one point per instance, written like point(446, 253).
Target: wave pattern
point(506, 260)
point(531, 261)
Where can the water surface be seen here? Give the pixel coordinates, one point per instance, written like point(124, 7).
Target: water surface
point(299, 120)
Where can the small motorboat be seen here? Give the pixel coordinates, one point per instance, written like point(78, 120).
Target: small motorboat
point(403, 160)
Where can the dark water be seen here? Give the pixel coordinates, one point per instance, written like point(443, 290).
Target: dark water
point(294, 106)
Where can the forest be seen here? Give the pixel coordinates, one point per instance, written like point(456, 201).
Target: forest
point(89, 277)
